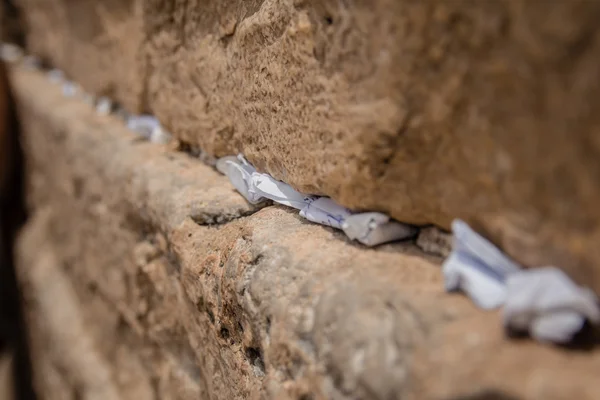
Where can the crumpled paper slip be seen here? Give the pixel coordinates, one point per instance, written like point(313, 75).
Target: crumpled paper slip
point(104, 106)
point(148, 127)
point(325, 211)
point(160, 136)
point(10, 52)
point(546, 303)
point(266, 186)
point(56, 76)
point(142, 124)
point(256, 187)
point(477, 267)
point(70, 89)
point(374, 228)
point(239, 172)
point(368, 228)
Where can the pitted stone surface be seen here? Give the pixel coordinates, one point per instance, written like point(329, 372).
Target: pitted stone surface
point(427, 110)
point(265, 305)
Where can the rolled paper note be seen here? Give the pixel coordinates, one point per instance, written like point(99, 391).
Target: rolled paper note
point(477, 267)
point(547, 304)
point(374, 228)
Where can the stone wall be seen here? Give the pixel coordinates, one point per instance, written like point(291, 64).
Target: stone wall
point(148, 276)
point(426, 110)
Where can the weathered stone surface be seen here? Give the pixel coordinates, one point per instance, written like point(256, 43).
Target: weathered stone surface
point(97, 43)
point(124, 283)
point(427, 110)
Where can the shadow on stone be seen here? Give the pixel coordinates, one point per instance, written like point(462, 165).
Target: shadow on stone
point(485, 395)
point(585, 340)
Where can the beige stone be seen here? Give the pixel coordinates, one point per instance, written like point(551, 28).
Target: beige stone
point(137, 288)
point(427, 110)
point(97, 43)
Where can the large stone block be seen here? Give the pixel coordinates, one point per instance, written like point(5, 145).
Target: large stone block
point(426, 110)
point(97, 43)
point(148, 276)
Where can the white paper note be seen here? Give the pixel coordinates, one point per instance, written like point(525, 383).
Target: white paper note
point(477, 267)
point(160, 136)
point(103, 106)
point(142, 124)
point(266, 186)
point(374, 228)
point(148, 127)
point(370, 229)
point(56, 76)
point(543, 301)
point(70, 89)
point(325, 211)
point(546, 303)
point(239, 173)
point(10, 52)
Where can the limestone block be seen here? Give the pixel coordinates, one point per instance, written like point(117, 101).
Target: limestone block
point(97, 43)
point(140, 290)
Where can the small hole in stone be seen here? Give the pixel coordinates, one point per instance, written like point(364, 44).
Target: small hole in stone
point(329, 19)
point(241, 327)
point(306, 396)
point(189, 235)
point(255, 358)
point(211, 316)
point(224, 333)
point(268, 325)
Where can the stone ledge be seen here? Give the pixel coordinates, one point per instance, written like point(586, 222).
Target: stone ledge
point(260, 305)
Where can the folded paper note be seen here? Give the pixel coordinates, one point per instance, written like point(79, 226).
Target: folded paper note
point(10, 52)
point(370, 229)
point(266, 186)
point(325, 211)
point(542, 301)
point(239, 173)
point(548, 305)
point(56, 76)
point(103, 106)
point(160, 136)
point(373, 228)
point(148, 127)
point(69, 89)
point(477, 267)
point(143, 125)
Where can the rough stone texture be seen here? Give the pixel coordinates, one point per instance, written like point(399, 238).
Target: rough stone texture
point(434, 241)
point(132, 299)
point(427, 110)
point(98, 44)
